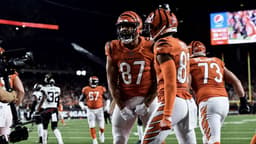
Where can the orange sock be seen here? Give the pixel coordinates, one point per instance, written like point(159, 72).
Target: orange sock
point(253, 140)
point(101, 130)
point(93, 133)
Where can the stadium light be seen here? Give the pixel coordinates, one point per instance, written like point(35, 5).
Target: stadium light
point(81, 72)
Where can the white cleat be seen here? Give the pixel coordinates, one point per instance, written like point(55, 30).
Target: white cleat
point(94, 141)
point(102, 137)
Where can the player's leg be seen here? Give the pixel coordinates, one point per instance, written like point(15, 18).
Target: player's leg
point(91, 118)
point(184, 120)
point(153, 133)
point(46, 116)
point(121, 128)
point(212, 115)
point(253, 140)
point(40, 130)
point(139, 130)
point(5, 120)
point(62, 118)
point(101, 124)
point(54, 126)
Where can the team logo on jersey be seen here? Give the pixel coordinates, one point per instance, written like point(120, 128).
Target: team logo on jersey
point(218, 19)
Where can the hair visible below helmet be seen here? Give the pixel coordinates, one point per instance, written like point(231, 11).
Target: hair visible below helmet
point(132, 20)
point(197, 48)
point(161, 21)
point(37, 86)
point(93, 81)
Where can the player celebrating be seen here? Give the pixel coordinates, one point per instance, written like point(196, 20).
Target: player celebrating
point(209, 75)
point(176, 108)
point(131, 76)
point(93, 97)
point(50, 100)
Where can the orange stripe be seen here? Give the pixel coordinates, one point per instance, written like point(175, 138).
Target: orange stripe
point(204, 122)
point(154, 127)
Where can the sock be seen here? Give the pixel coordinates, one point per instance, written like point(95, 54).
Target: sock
point(102, 137)
point(45, 136)
point(58, 136)
point(140, 131)
point(93, 133)
point(253, 140)
point(40, 130)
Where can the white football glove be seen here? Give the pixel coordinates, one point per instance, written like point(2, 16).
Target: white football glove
point(126, 113)
point(141, 109)
point(82, 106)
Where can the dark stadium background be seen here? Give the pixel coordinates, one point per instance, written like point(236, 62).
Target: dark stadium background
point(90, 23)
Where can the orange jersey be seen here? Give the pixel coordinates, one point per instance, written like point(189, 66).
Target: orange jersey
point(134, 67)
point(180, 54)
point(207, 77)
point(94, 96)
point(11, 80)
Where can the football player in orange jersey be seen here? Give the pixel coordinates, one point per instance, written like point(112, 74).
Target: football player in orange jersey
point(209, 76)
point(131, 76)
point(177, 108)
point(93, 97)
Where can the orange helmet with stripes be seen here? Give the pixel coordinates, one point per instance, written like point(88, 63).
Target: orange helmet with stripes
point(129, 26)
point(161, 21)
point(197, 48)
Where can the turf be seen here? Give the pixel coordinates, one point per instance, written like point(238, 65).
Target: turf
point(237, 129)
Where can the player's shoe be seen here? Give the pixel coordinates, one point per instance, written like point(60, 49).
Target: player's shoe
point(94, 141)
point(102, 137)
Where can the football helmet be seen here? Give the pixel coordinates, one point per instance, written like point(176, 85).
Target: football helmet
point(161, 21)
point(129, 26)
point(93, 81)
point(47, 78)
point(197, 48)
point(37, 86)
point(52, 81)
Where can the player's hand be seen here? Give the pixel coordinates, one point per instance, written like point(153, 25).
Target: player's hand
point(84, 108)
point(141, 109)
point(166, 123)
point(244, 106)
point(126, 113)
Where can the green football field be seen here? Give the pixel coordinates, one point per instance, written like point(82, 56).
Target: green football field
point(236, 130)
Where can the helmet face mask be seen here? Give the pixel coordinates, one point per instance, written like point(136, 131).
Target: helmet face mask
point(129, 25)
point(127, 32)
point(93, 81)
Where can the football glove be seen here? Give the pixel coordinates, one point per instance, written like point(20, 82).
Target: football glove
point(126, 113)
point(244, 106)
point(141, 109)
point(166, 123)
